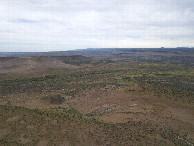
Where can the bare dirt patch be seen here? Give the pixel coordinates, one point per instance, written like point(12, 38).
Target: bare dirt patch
point(24, 140)
point(12, 119)
point(43, 143)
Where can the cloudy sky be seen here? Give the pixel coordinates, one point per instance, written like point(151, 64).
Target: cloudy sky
point(50, 25)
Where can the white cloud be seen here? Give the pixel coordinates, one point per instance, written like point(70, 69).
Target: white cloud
point(44, 25)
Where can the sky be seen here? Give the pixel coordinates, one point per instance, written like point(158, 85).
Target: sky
point(60, 25)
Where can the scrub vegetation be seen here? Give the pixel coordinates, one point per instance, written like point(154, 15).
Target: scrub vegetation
point(98, 97)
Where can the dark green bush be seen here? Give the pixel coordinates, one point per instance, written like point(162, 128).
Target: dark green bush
point(55, 99)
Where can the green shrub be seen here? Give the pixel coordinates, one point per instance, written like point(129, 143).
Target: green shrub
point(55, 99)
